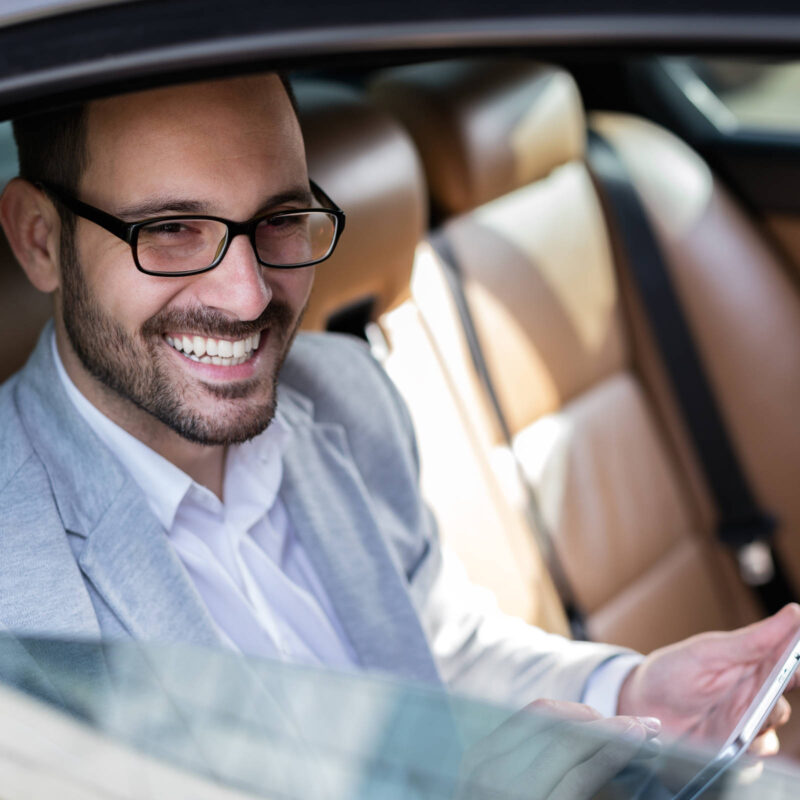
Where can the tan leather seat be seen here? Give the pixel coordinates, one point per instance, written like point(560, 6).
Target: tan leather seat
point(23, 310)
point(367, 163)
point(503, 146)
point(743, 304)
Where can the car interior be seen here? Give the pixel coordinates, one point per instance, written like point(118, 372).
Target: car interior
point(492, 154)
point(585, 490)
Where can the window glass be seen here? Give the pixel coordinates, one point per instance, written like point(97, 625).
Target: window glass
point(741, 94)
point(8, 154)
point(128, 721)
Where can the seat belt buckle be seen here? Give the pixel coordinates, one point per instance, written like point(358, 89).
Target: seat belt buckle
point(756, 564)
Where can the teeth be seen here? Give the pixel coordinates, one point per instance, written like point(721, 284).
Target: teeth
point(220, 352)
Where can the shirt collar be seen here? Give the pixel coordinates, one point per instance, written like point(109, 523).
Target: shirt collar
point(165, 486)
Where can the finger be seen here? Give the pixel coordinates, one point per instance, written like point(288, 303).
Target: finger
point(591, 754)
point(529, 727)
point(765, 744)
point(779, 715)
point(587, 778)
point(594, 759)
point(562, 709)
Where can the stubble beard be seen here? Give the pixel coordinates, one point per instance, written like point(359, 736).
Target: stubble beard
point(136, 368)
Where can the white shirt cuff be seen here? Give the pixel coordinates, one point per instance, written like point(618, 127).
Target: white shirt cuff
point(605, 683)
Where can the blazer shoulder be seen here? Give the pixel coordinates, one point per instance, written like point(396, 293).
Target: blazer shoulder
point(346, 385)
point(349, 388)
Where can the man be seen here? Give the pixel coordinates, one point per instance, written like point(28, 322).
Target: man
point(156, 480)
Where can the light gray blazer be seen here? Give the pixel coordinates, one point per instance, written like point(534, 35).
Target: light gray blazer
point(82, 555)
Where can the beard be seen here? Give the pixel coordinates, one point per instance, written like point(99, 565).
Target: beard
point(136, 368)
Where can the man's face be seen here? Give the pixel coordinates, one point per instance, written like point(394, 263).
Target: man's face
point(230, 149)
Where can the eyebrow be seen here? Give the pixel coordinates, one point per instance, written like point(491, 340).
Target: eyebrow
point(159, 206)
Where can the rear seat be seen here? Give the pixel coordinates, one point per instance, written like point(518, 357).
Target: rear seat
point(503, 145)
point(366, 161)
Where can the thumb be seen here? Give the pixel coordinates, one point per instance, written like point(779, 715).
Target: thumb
point(763, 637)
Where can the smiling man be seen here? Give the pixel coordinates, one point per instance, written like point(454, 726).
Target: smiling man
point(158, 480)
point(142, 348)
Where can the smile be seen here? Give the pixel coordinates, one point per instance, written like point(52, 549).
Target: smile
point(220, 352)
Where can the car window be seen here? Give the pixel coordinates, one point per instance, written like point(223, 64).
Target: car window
point(8, 154)
point(174, 721)
point(741, 94)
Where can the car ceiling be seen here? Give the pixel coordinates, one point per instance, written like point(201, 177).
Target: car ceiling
point(95, 49)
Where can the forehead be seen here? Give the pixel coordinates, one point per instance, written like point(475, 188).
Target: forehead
point(179, 138)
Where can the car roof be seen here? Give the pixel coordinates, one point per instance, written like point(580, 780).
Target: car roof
point(95, 48)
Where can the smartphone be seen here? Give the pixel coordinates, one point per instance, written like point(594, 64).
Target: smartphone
point(750, 723)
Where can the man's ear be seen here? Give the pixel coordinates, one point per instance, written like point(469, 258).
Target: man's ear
point(33, 230)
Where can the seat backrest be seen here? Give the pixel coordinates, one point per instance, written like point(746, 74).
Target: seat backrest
point(527, 226)
point(370, 167)
point(742, 302)
point(23, 310)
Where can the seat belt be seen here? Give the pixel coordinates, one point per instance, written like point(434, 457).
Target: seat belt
point(743, 526)
point(534, 517)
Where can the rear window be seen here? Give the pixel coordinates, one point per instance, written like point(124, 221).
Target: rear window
point(742, 94)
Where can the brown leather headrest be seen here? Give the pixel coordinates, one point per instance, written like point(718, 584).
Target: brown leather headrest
point(366, 162)
point(485, 128)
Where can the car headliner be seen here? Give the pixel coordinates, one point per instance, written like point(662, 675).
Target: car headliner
point(95, 48)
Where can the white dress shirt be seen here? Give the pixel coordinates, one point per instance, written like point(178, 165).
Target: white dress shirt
point(242, 554)
point(246, 562)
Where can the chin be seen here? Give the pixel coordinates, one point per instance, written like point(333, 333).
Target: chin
point(235, 429)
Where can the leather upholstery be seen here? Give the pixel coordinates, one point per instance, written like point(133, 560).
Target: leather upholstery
point(369, 166)
point(725, 274)
point(485, 128)
point(23, 310)
point(552, 317)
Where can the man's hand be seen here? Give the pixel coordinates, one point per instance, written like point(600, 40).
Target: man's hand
point(680, 684)
point(561, 751)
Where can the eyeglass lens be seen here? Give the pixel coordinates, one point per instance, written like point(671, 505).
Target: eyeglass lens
point(186, 244)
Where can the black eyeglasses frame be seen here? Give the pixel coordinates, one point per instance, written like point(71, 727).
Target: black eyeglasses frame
point(129, 231)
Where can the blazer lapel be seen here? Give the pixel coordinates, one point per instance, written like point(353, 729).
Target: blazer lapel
point(41, 591)
point(331, 514)
point(125, 553)
point(129, 561)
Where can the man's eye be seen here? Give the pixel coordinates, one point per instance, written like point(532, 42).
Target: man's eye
point(167, 228)
point(285, 223)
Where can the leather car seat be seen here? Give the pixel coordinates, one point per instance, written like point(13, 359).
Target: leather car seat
point(23, 309)
point(503, 145)
point(367, 163)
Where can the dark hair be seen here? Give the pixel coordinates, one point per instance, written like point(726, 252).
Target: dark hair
point(52, 146)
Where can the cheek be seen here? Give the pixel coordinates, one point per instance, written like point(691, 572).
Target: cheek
point(123, 293)
point(294, 286)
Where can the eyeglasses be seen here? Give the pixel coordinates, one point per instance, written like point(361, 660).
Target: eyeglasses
point(187, 245)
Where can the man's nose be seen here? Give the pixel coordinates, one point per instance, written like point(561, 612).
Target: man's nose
point(238, 285)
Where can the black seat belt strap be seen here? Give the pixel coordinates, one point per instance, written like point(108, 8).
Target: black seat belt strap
point(742, 524)
point(535, 518)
